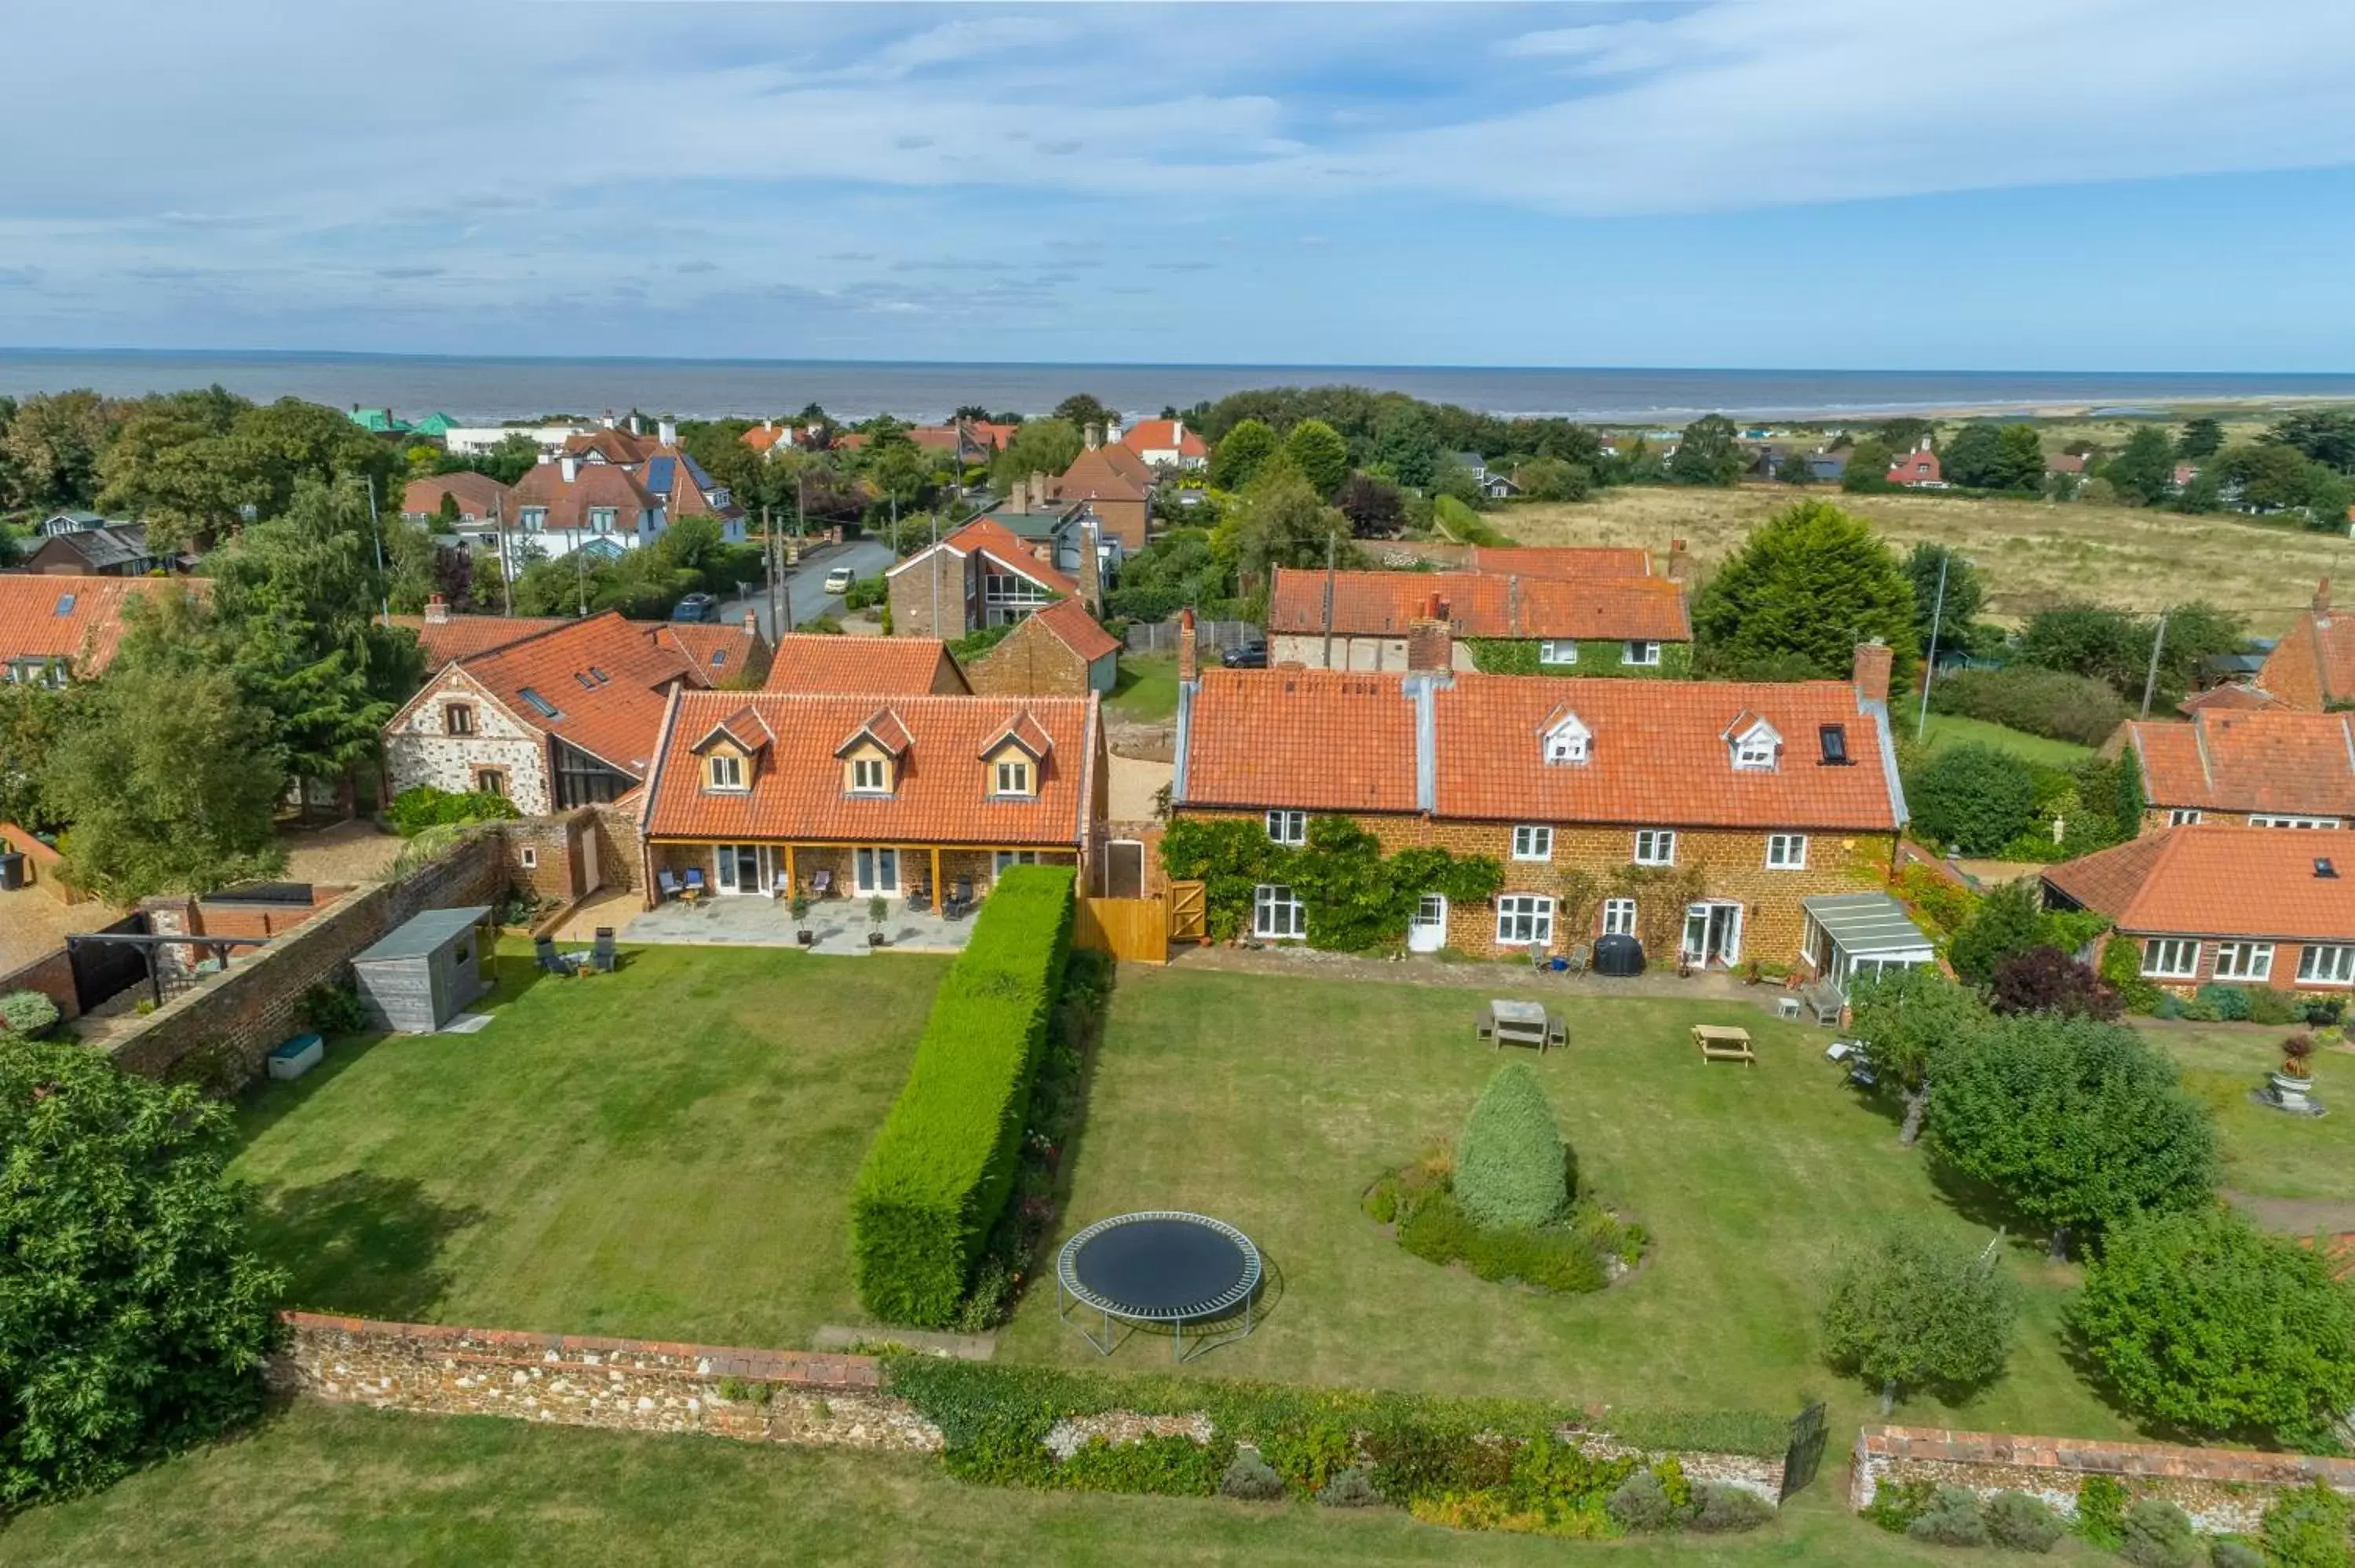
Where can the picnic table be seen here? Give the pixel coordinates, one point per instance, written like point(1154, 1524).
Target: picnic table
point(1720, 1044)
point(1521, 1023)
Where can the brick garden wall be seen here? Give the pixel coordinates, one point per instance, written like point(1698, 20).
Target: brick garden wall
point(221, 1030)
point(2225, 1491)
point(51, 974)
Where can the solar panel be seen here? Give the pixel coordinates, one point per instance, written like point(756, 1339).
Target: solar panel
point(547, 708)
point(658, 474)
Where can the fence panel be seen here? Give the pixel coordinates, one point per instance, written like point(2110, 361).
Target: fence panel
point(1210, 636)
point(105, 970)
point(1133, 928)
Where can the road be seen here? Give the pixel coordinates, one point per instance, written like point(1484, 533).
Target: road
point(806, 583)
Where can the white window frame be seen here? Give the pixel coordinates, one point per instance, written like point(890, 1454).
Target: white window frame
point(1013, 776)
point(870, 776)
point(723, 771)
point(532, 519)
point(1786, 851)
point(2183, 817)
point(2170, 958)
point(1000, 859)
point(1533, 842)
point(1524, 920)
point(603, 518)
point(1618, 917)
point(530, 858)
point(2326, 963)
point(1570, 745)
point(2244, 961)
point(1754, 749)
point(1655, 846)
point(2277, 822)
point(1277, 914)
point(1557, 650)
point(1642, 652)
point(1289, 828)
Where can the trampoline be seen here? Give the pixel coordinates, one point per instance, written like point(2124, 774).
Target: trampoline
point(1163, 1266)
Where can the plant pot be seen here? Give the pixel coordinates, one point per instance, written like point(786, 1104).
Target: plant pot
point(874, 939)
point(2290, 1094)
point(807, 938)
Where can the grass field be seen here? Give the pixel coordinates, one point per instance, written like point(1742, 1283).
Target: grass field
point(2035, 554)
point(1273, 1102)
point(1147, 690)
point(326, 1487)
point(665, 1153)
point(2267, 1154)
point(1952, 729)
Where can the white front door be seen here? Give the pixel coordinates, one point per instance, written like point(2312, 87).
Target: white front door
point(1713, 933)
point(878, 870)
point(741, 868)
point(1427, 932)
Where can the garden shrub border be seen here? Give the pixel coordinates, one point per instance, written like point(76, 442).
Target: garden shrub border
point(934, 1180)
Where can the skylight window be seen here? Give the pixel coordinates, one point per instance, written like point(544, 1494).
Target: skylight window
point(2323, 867)
point(64, 603)
point(602, 676)
point(1835, 742)
point(544, 707)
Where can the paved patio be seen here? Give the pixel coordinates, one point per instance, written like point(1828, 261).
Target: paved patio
point(840, 923)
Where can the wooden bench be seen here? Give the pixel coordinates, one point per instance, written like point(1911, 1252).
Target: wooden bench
point(1720, 1044)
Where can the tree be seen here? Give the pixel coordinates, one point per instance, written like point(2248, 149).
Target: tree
point(1374, 509)
point(1796, 469)
point(1912, 1020)
point(1320, 454)
point(1808, 584)
point(2079, 1124)
point(135, 1315)
point(2010, 921)
point(1903, 433)
point(51, 449)
point(1867, 471)
point(1975, 455)
point(1964, 588)
point(2144, 472)
point(1913, 1312)
point(2325, 435)
point(2202, 437)
point(1240, 452)
point(1405, 444)
point(32, 717)
point(1708, 452)
point(1281, 524)
point(1082, 409)
point(2046, 979)
point(168, 772)
point(2020, 461)
point(1041, 446)
point(2210, 1327)
point(1511, 1169)
point(2271, 476)
point(1554, 479)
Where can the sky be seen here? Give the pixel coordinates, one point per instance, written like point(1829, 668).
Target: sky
point(2153, 185)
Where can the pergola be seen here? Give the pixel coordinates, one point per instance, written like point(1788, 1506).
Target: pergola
point(1853, 934)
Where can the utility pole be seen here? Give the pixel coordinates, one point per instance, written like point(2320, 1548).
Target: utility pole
point(2150, 679)
point(769, 563)
point(934, 568)
point(1937, 616)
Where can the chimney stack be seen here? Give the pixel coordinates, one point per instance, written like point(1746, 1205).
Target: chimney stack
point(1019, 495)
point(572, 466)
point(1678, 562)
point(437, 611)
point(668, 432)
point(1177, 435)
point(1430, 646)
point(609, 418)
point(2322, 596)
point(636, 428)
point(1090, 568)
point(1190, 667)
point(1873, 660)
point(1038, 491)
point(1094, 437)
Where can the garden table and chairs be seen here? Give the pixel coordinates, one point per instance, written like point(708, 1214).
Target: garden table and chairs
point(1720, 1042)
point(1508, 1022)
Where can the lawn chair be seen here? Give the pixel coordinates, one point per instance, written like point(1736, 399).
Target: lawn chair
point(959, 903)
point(543, 949)
point(603, 958)
point(1578, 958)
point(668, 884)
point(920, 898)
point(695, 888)
point(821, 884)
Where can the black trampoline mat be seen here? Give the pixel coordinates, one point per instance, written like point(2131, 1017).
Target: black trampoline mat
point(1160, 1265)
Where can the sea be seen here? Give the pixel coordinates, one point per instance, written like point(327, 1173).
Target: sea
point(491, 390)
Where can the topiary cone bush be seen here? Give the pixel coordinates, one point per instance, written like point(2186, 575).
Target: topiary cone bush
point(1511, 1168)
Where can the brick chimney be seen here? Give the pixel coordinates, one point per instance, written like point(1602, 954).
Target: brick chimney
point(1190, 662)
point(437, 611)
point(753, 624)
point(1091, 569)
point(668, 432)
point(1038, 491)
point(1017, 495)
point(1429, 645)
point(1094, 437)
point(1678, 562)
point(1873, 660)
point(2322, 596)
point(572, 466)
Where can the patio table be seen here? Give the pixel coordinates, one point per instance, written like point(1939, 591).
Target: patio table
point(1720, 1044)
point(1518, 1024)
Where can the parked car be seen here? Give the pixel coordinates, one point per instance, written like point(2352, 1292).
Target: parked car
point(840, 580)
point(1245, 656)
point(697, 607)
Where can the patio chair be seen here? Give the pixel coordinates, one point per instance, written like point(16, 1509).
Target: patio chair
point(1578, 958)
point(960, 900)
point(1557, 1031)
point(604, 957)
point(781, 887)
point(543, 949)
point(920, 898)
point(821, 884)
point(695, 888)
point(668, 884)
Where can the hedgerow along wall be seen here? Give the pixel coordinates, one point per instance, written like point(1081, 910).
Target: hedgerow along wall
point(938, 1173)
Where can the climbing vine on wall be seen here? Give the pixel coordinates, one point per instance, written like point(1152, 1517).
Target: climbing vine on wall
point(1356, 897)
point(1597, 656)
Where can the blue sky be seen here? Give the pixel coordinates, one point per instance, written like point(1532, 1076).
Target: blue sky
point(2007, 183)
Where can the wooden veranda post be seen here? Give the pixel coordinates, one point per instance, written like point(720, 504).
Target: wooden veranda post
point(936, 877)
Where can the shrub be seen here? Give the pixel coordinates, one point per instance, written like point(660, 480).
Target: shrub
point(1973, 797)
point(1642, 1503)
point(1953, 1518)
point(2050, 703)
point(1725, 1509)
point(2019, 1522)
point(2224, 1003)
point(1549, 1260)
point(2267, 1005)
point(938, 1173)
point(415, 810)
point(331, 1009)
point(2046, 979)
point(2122, 967)
point(2102, 1511)
point(1308, 1456)
point(2306, 1527)
point(1510, 1165)
point(2234, 1555)
point(1895, 1505)
point(27, 1013)
point(1351, 1488)
point(1912, 1312)
point(1439, 1230)
point(2159, 1535)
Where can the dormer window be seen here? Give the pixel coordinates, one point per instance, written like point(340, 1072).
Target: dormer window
point(1756, 745)
point(1567, 741)
point(724, 771)
point(1014, 776)
point(871, 776)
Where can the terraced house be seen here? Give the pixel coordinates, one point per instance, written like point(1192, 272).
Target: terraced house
point(865, 795)
point(1700, 818)
point(2273, 767)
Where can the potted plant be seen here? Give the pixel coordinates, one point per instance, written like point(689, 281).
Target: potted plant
point(2293, 1082)
point(877, 911)
point(802, 932)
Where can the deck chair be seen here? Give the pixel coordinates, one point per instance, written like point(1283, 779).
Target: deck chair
point(920, 898)
point(1578, 958)
point(603, 958)
point(668, 884)
point(822, 883)
point(543, 949)
point(695, 887)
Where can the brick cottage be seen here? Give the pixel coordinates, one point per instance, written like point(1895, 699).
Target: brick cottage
point(2272, 768)
point(1702, 815)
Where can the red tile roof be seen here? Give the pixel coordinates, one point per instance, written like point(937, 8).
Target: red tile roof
point(717, 653)
point(463, 636)
point(1075, 629)
point(2273, 760)
point(615, 718)
point(942, 793)
point(2248, 699)
point(998, 543)
point(593, 484)
point(1105, 473)
point(2213, 880)
point(1477, 604)
point(479, 495)
point(1340, 740)
point(2314, 666)
point(1164, 435)
point(760, 438)
point(890, 666)
point(615, 445)
point(56, 615)
point(1566, 561)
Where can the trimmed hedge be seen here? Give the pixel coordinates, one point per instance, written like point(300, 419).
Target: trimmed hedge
point(2050, 703)
point(938, 1173)
point(1510, 1168)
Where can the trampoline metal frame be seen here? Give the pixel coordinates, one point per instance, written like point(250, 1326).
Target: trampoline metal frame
point(1243, 1293)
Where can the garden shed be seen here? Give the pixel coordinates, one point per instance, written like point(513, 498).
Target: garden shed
point(1853, 934)
point(418, 977)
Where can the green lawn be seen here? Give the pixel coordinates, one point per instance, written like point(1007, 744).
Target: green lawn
point(666, 1152)
point(1273, 1102)
point(1951, 729)
point(2267, 1154)
point(1147, 690)
point(323, 1487)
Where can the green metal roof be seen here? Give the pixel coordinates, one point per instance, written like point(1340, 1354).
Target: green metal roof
point(425, 933)
point(1862, 923)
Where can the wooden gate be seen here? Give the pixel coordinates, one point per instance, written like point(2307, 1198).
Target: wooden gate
point(1190, 912)
point(1134, 929)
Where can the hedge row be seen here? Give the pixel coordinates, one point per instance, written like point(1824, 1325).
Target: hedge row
point(939, 1171)
point(2050, 703)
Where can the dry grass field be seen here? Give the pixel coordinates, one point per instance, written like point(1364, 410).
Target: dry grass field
point(2035, 553)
